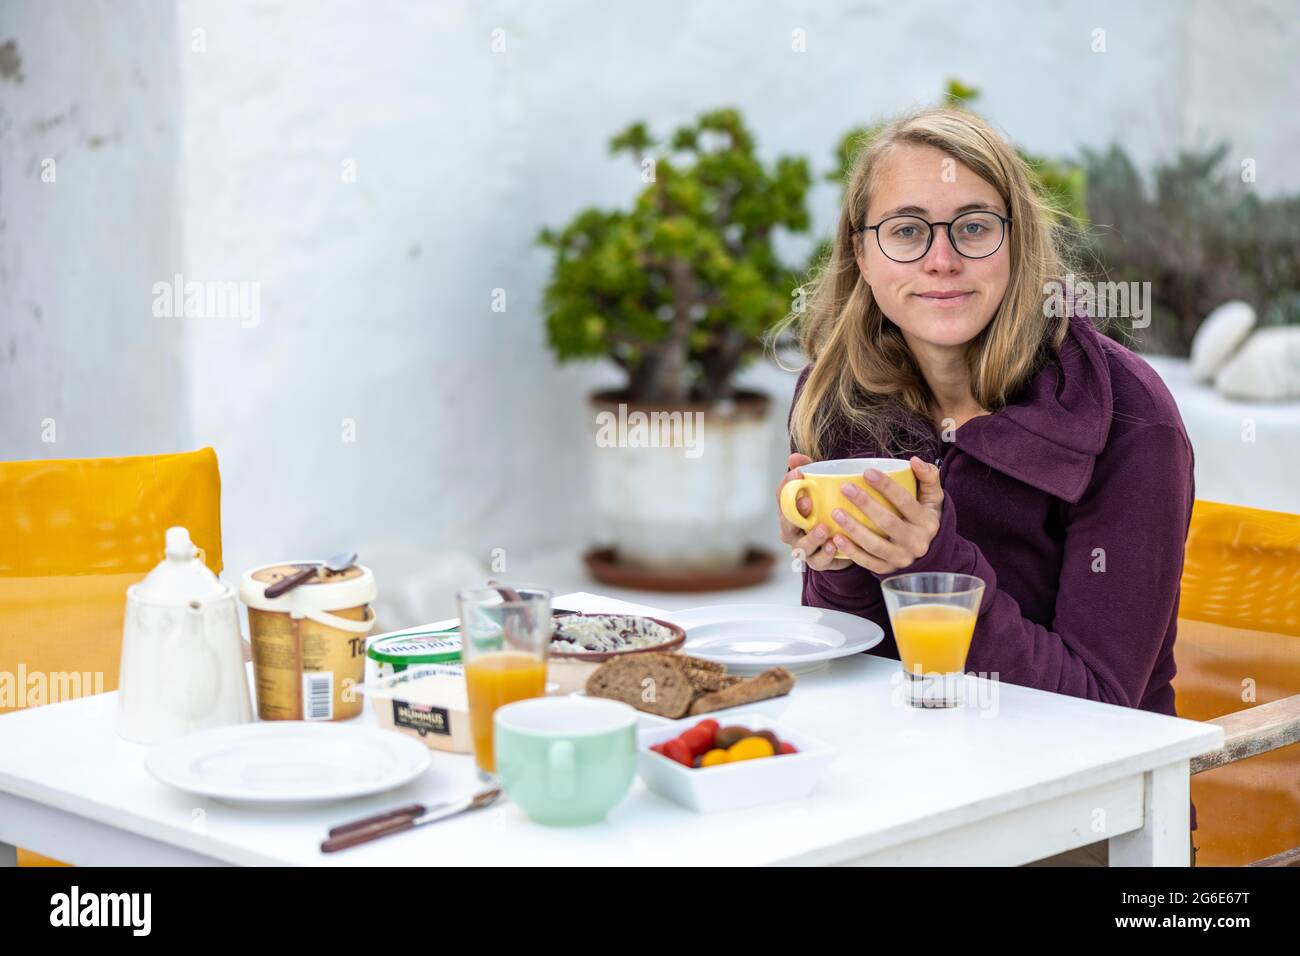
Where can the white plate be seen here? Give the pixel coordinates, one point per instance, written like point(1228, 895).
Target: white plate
point(288, 762)
point(749, 638)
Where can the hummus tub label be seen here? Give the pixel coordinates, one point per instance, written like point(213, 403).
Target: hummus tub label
point(423, 720)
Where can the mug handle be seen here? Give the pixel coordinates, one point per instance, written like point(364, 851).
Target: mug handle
point(790, 503)
point(562, 779)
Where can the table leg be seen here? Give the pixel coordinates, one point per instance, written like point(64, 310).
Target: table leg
point(1162, 839)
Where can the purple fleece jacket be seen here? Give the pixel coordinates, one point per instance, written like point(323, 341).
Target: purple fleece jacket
point(1090, 469)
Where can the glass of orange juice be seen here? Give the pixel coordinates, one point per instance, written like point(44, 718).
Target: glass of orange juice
point(933, 616)
point(505, 635)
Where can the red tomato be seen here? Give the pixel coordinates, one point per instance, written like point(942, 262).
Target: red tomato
point(699, 738)
point(676, 749)
point(787, 748)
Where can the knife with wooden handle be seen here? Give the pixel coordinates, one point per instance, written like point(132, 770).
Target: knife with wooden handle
point(410, 810)
point(388, 824)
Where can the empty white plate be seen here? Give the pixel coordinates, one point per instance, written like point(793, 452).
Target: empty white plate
point(288, 762)
point(749, 638)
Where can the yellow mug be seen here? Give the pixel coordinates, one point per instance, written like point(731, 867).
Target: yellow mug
point(822, 480)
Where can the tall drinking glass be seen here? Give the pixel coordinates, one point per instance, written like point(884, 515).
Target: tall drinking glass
point(504, 643)
point(933, 615)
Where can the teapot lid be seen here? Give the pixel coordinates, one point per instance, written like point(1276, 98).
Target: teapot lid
point(180, 577)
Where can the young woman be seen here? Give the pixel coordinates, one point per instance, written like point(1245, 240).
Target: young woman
point(1051, 462)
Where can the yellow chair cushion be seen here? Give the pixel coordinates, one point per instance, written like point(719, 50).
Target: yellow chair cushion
point(1239, 646)
point(1242, 568)
point(28, 858)
point(74, 534)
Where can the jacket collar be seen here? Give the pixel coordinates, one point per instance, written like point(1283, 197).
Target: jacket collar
point(1051, 437)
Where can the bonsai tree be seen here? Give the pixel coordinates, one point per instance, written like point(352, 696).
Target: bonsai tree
point(680, 289)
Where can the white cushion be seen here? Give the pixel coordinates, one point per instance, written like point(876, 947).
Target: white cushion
point(1218, 337)
point(1267, 368)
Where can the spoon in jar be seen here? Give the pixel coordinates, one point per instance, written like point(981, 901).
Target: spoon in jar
point(335, 565)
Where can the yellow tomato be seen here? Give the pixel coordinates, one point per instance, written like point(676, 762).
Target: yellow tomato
point(714, 757)
point(751, 748)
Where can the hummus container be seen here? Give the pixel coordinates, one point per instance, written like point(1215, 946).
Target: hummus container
point(309, 645)
point(426, 703)
point(395, 652)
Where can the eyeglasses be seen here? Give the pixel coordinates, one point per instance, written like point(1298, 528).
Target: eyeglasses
point(975, 235)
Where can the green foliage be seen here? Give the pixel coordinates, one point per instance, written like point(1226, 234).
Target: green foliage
point(1199, 235)
point(958, 95)
point(1062, 184)
point(680, 288)
point(1283, 308)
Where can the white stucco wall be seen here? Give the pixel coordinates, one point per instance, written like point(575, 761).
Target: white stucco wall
point(375, 295)
point(84, 369)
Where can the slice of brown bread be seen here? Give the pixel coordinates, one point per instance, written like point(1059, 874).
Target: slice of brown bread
point(700, 664)
point(706, 682)
point(771, 683)
point(706, 675)
point(654, 682)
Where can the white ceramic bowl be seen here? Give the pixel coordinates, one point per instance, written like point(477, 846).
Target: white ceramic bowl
point(735, 786)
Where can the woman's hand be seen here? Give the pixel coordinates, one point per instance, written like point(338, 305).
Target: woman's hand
point(813, 547)
point(907, 535)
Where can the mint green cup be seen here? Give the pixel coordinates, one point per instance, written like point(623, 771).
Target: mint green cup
point(565, 761)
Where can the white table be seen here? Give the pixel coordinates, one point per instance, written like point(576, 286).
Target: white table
point(1038, 774)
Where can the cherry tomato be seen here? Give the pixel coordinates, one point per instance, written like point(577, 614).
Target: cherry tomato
point(676, 749)
point(787, 748)
point(751, 748)
point(699, 738)
point(714, 758)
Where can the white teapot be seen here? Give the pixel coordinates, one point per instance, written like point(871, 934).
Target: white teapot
point(182, 653)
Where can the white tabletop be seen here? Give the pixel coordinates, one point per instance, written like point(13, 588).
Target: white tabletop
point(902, 777)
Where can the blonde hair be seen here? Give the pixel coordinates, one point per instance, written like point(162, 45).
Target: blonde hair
point(863, 374)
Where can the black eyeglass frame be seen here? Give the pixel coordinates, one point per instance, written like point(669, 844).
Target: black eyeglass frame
point(1006, 223)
